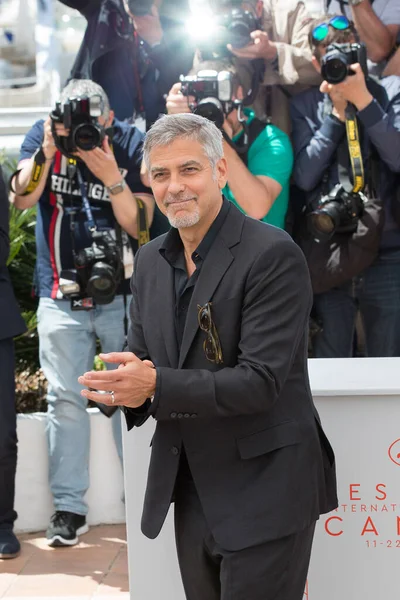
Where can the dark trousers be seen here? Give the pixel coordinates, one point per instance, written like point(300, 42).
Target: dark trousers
point(376, 294)
point(8, 434)
point(276, 570)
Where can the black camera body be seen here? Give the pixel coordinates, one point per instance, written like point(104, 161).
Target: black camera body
point(233, 26)
point(80, 117)
point(213, 93)
point(239, 24)
point(337, 212)
point(98, 271)
point(335, 65)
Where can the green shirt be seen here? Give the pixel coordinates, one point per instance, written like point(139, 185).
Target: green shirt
point(271, 155)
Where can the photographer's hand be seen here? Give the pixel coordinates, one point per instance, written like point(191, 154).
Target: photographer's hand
point(48, 145)
point(132, 382)
point(177, 103)
point(26, 167)
point(148, 27)
point(101, 162)
point(262, 47)
point(354, 88)
point(338, 101)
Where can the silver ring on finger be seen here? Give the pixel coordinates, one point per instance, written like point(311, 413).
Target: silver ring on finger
point(112, 397)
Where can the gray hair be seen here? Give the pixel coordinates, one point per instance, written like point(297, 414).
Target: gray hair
point(188, 126)
point(78, 88)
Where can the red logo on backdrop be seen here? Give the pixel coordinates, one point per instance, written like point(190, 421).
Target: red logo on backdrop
point(305, 597)
point(394, 452)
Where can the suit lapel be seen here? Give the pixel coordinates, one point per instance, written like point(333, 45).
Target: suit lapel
point(217, 262)
point(166, 309)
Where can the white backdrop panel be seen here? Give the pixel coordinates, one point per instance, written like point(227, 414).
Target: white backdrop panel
point(357, 548)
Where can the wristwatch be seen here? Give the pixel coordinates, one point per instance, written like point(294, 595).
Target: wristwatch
point(117, 188)
point(355, 2)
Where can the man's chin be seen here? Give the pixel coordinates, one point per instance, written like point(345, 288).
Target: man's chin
point(182, 221)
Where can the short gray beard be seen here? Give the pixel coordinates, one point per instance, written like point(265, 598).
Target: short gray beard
point(188, 220)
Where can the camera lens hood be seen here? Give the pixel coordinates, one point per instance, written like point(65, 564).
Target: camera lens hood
point(87, 136)
point(334, 67)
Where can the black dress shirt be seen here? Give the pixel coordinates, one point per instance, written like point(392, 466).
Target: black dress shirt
point(172, 251)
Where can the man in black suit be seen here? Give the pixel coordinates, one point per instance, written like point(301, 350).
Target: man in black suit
point(11, 324)
point(218, 356)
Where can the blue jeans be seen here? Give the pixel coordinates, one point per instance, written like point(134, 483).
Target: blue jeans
point(67, 347)
point(376, 294)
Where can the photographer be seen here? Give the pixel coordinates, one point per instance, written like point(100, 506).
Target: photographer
point(377, 23)
point(274, 52)
point(134, 49)
point(259, 155)
point(84, 261)
point(348, 227)
point(11, 325)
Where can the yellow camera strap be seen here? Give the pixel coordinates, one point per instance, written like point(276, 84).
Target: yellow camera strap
point(354, 148)
point(34, 181)
point(142, 223)
point(39, 161)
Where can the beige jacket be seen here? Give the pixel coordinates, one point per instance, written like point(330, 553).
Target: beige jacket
point(287, 23)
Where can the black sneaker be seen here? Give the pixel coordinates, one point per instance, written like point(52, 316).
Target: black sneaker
point(9, 545)
point(64, 528)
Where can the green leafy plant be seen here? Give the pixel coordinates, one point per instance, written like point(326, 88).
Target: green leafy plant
point(21, 265)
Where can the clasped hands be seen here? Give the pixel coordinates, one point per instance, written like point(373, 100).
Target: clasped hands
point(130, 384)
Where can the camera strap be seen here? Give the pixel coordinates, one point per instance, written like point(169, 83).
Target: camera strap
point(36, 174)
point(353, 150)
point(86, 204)
point(256, 80)
point(118, 237)
point(142, 223)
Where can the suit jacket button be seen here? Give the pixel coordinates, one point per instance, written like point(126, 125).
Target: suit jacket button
point(175, 450)
point(180, 415)
point(194, 415)
point(173, 415)
point(186, 415)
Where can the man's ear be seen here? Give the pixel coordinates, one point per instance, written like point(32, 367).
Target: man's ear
point(239, 93)
point(222, 173)
point(316, 64)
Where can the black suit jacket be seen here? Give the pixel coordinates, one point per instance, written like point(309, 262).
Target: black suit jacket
point(262, 465)
point(11, 322)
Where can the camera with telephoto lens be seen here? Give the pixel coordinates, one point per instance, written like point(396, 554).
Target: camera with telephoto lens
point(213, 93)
point(98, 271)
point(139, 8)
point(335, 65)
point(238, 25)
point(80, 117)
point(337, 212)
point(232, 25)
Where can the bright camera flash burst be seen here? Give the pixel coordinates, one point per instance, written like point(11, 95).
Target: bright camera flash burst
point(201, 26)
